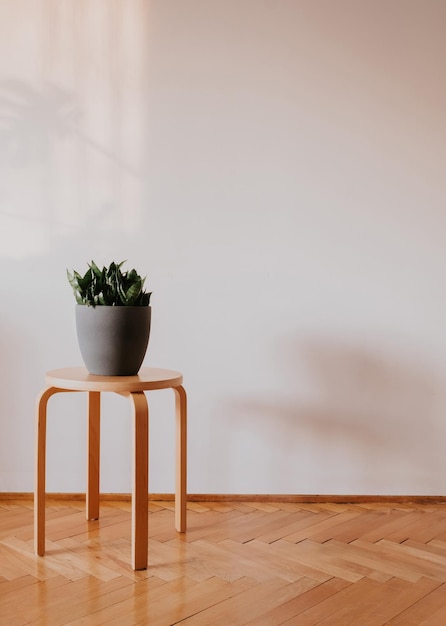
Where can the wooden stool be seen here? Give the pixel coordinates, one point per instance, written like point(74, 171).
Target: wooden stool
point(132, 387)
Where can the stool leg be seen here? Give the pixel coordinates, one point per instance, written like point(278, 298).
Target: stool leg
point(140, 508)
point(181, 459)
point(40, 469)
point(93, 447)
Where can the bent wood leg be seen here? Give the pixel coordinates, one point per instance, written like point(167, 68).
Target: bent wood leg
point(93, 452)
point(140, 509)
point(181, 459)
point(40, 469)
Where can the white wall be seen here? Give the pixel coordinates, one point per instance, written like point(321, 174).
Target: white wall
point(277, 168)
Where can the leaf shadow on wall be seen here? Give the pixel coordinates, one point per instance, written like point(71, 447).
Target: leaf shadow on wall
point(56, 178)
point(40, 242)
point(34, 121)
point(31, 117)
point(16, 415)
point(367, 421)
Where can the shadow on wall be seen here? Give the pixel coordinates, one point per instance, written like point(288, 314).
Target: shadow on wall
point(16, 416)
point(38, 239)
point(33, 122)
point(30, 118)
point(72, 159)
point(363, 420)
point(7, 400)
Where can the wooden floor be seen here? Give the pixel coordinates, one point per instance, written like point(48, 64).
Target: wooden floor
point(239, 563)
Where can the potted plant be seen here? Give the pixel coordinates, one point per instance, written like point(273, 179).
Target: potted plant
point(113, 317)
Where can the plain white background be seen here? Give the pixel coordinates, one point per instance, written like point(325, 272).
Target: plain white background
point(277, 169)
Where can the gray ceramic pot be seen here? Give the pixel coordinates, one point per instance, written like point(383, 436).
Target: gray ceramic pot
point(113, 339)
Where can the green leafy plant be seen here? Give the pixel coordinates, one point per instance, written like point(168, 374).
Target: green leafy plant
point(109, 286)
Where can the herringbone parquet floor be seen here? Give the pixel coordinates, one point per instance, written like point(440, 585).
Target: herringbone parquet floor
point(238, 563)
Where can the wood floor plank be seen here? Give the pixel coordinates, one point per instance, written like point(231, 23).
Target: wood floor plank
point(319, 526)
point(415, 559)
point(18, 608)
point(222, 563)
point(322, 534)
point(116, 609)
point(237, 563)
point(7, 586)
point(394, 520)
point(315, 555)
point(26, 533)
point(82, 552)
point(426, 526)
point(438, 546)
point(289, 609)
point(417, 611)
point(66, 607)
point(295, 523)
point(175, 559)
point(242, 529)
point(257, 563)
point(279, 558)
point(348, 598)
point(367, 555)
point(382, 603)
point(379, 569)
point(13, 564)
point(245, 606)
point(353, 529)
point(199, 525)
point(426, 551)
point(115, 555)
point(347, 555)
point(171, 609)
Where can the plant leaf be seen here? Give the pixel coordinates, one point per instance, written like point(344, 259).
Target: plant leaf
point(109, 286)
